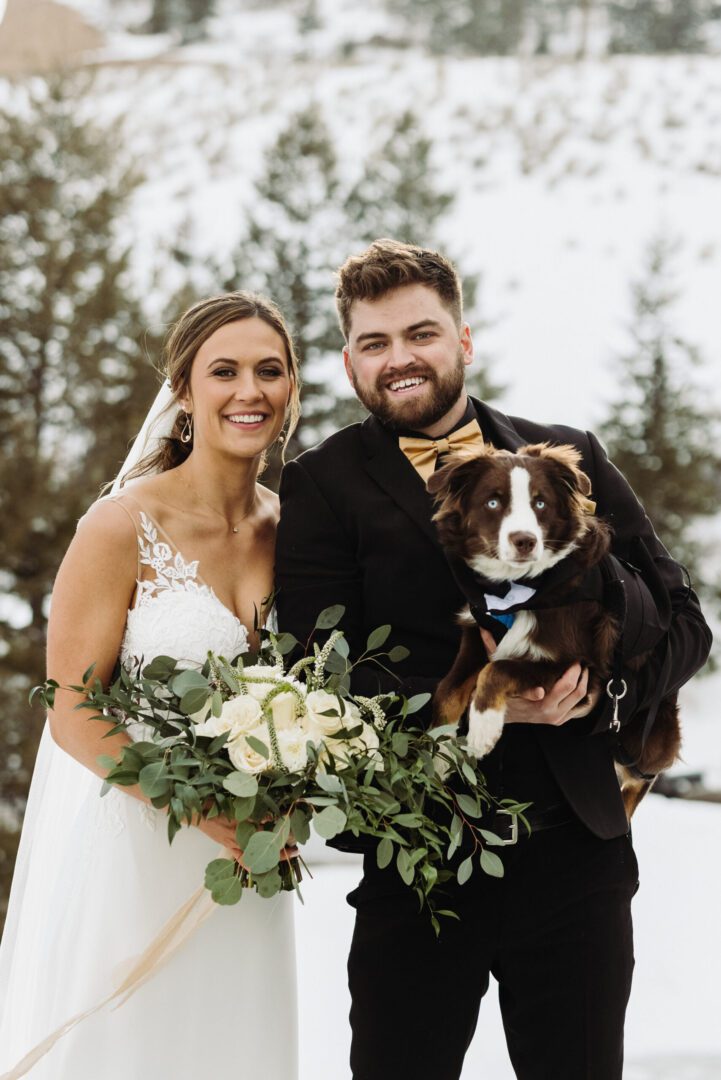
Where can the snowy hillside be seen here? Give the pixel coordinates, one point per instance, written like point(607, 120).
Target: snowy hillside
point(563, 171)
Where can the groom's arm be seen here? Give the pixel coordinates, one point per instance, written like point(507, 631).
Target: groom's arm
point(682, 648)
point(315, 568)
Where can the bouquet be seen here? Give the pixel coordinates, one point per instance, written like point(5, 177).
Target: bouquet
point(281, 748)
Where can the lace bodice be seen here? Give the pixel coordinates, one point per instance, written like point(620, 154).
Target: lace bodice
point(175, 613)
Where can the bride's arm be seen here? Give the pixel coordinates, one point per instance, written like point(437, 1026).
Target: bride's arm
point(92, 593)
point(89, 606)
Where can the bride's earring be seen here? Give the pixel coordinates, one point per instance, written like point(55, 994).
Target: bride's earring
point(187, 433)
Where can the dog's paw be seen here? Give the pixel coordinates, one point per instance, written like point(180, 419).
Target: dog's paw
point(484, 730)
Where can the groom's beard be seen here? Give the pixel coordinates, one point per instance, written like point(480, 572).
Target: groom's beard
point(441, 392)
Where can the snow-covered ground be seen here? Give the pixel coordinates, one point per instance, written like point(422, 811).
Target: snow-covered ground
point(672, 1030)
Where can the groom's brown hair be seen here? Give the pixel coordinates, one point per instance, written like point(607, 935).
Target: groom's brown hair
point(389, 264)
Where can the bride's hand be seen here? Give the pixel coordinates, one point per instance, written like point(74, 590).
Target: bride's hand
point(222, 831)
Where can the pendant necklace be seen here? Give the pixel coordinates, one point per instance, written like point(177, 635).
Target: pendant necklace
point(233, 528)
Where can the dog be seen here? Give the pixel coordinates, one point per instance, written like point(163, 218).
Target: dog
point(518, 521)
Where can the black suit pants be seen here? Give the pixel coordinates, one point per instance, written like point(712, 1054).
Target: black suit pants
point(555, 932)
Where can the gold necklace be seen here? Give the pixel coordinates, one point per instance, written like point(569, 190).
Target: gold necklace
point(205, 502)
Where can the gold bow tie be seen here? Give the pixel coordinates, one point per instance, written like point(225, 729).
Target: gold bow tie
point(423, 453)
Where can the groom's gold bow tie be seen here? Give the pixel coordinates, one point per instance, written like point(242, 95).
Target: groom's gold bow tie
point(423, 453)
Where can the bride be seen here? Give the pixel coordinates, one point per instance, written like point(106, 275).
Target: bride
point(177, 561)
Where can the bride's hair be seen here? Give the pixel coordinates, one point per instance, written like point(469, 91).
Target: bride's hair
point(184, 339)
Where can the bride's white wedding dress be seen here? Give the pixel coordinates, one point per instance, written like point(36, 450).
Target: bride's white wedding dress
point(96, 880)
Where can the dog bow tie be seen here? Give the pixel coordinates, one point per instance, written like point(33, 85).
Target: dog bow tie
point(423, 453)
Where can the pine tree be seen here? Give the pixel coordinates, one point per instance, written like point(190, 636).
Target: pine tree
point(484, 27)
point(658, 26)
point(187, 16)
point(661, 433)
point(292, 244)
point(74, 380)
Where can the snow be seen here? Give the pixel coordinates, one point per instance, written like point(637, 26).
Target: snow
point(672, 1030)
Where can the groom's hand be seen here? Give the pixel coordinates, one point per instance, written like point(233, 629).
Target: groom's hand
point(555, 706)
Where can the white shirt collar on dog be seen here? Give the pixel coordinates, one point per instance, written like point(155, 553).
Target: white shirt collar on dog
point(517, 594)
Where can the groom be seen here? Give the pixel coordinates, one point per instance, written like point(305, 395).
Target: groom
point(356, 529)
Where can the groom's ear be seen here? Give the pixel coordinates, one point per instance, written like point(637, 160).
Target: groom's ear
point(348, 366)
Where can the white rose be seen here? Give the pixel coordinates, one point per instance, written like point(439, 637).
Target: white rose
point(293, 749)
point(283, 710)
point(319, 702)
point(259, 690)
point(244, 757)
point(366, 743)
point(238, 716)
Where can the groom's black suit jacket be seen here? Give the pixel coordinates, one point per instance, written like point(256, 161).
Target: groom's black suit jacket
point(355, 529)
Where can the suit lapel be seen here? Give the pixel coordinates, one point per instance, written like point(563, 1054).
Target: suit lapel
point(393, 472)
point(497, 428)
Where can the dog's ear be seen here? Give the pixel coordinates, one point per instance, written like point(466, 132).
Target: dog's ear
point(567, 460)
point(452, 479)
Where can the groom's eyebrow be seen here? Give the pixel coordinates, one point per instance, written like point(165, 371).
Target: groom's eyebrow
point(407, 330)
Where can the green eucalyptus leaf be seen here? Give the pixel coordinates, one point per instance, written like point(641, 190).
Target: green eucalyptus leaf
point(300, 826)
point(153, 779)
point(259, 747)
point(270, 883)
point(243, 833)
point(329, 822)
point(400, 742)
point(469, 774)
point(105, 761)
point(491, 838)
point(469, 805)
point(377, 637)
point(384, 852)
point(342, 648)
point(491, 864)
point(417, 702)
point(398, 653)
point(188, 680)
point(403, 863)
point(241, 783)
point(330, 617)
point(243, 807)
point(464, 871)
point(262, 852)
point(227, 891)
point(217, 869)
point(329, 782)
point(159, 668)
point(285, 643)
point(194, 700)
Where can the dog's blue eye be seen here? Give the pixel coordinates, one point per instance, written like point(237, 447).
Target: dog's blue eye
point(540, 504)
point(492, 504)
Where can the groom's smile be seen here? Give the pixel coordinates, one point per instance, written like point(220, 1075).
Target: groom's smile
point(406, 358)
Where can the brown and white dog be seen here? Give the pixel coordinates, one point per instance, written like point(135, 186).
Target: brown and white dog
point(510, 518)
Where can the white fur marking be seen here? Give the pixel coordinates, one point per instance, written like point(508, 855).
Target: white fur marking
point(504, 570)
point(516, 644)
point(484, 730)
point(464, 617)
point(520, 516)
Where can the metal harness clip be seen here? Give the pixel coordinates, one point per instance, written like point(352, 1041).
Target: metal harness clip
point(615, 724)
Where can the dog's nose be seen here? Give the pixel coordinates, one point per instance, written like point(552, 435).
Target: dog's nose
point(523, 542)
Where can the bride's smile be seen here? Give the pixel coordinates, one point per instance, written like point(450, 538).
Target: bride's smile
point(239, 389)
